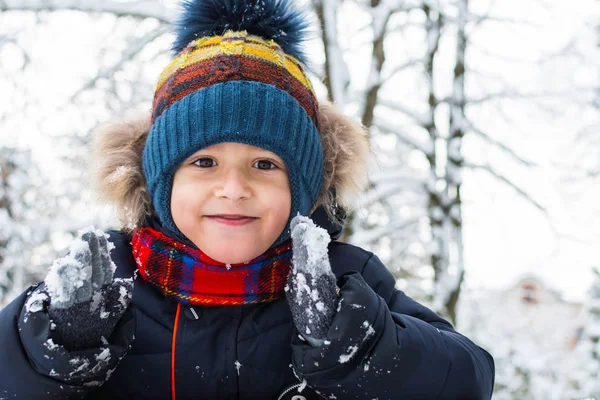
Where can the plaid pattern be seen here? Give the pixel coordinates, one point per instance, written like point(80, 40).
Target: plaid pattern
point(191, 277)
point(235, 56)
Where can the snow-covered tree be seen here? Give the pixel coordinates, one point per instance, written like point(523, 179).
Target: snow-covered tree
point(536, 338)
point(418, 83)
point(26, 210)
point(591, 338)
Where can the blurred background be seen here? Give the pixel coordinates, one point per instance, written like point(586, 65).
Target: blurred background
point(484, 118)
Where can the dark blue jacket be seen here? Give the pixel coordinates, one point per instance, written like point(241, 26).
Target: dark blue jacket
point(382, 344)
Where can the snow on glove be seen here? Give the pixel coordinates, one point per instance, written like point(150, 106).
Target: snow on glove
point(311, 289)
point(85, 302)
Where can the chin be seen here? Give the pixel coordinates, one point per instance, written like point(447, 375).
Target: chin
point(235, 253)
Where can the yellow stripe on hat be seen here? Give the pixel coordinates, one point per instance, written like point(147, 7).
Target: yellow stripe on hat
point(239, 43)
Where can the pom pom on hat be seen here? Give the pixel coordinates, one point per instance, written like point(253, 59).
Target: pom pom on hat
point(269, 19)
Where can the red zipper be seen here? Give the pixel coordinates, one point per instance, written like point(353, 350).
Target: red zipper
point(173, 351)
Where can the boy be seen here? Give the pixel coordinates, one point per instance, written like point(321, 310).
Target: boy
point(239, 295)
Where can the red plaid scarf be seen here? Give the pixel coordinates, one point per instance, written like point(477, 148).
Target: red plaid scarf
point(191, 277)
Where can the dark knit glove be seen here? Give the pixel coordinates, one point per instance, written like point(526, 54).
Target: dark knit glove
point(311, 289)
point(85, 302)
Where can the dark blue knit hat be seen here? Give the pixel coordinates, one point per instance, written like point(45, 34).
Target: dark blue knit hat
point(238, 77)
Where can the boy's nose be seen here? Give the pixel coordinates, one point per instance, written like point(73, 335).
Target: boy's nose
point(234, 186)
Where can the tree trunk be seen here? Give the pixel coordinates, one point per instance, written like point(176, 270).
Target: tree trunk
point(336, 77)
point(437, 199)
point(6, 168)
point(377, 59)
point(455, 161)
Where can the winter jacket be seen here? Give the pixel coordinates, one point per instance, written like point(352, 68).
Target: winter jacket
point(382, 344)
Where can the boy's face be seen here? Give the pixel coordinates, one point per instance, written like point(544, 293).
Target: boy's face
point(232, 200)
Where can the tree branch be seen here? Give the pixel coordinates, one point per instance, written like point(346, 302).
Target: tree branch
point(373, 235)
point(505, 180)
point(499, 144)
point(479, 18)
point(127, 55)
point(510, 94)
point(399, 68)
point(384, 127)
point(396, 175)
point(420, 118)
point(139, 9)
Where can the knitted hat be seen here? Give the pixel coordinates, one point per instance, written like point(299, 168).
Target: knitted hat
point(238, 76)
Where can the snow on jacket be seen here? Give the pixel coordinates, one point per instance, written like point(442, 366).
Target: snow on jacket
point(382, 344)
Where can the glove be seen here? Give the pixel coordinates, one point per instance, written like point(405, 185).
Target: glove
point(311, 289)
point(85, 303)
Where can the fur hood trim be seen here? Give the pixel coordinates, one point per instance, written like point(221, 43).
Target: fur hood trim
point(118, 177)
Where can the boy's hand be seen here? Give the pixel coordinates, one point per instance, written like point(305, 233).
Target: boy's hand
point(85, 302)
point(311, 290)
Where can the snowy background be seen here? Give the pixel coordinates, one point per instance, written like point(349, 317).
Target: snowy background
point(483, 116)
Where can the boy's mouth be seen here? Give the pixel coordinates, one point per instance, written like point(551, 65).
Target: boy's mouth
point(230, 216)
point(232, 219)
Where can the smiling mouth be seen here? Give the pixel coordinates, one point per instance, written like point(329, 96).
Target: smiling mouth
point(232, 219)
point(230, 216)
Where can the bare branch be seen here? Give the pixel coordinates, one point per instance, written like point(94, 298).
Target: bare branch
point(509, 119)
point(499, 144)
point(396, 174)
point(379, 193)
point(482, 49)
point(487, 76)
point(127, 55)
point(419, 118)
point(401, 28)
point(139, 9)
point(505, 180)
point(399, 68)
point(384, 127)
point(395, 5)
point(479, 18)
point(569, 49)
point(511, 94)
point(373, 235)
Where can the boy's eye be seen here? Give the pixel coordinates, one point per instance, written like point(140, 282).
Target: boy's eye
point(264, 164)
point(205, 162)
